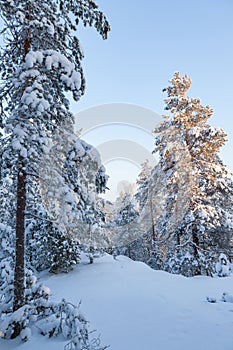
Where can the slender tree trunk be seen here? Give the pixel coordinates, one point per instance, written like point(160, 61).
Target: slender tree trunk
point(195, 248)
point(19, 273)
point(195, 241)
point(152, 222)
point(19, 285)
point(178, 238)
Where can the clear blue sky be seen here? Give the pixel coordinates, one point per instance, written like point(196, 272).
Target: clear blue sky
point(150, 40)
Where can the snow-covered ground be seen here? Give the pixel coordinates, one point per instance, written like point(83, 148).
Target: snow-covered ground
point(137, 308)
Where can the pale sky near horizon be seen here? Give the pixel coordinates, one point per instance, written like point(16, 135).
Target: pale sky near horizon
point(148, 42)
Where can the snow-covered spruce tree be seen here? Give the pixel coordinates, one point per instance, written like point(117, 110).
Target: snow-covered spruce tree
point(143, 184)
point(197, 221)
point(125, 224)
point(144, 197)
point(7, 231)
point(127, 212)
point(40, 62)
point(145, 247)
point(73, 209)
point(60, 220)
point(140, 248)
point(7, 200)
point(75, 167)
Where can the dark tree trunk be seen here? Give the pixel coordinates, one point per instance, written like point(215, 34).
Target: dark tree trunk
point(178, 238)
point(196, 243)
point(195, 249)
point(19, 286)
point(152, 222)
point(19, 273)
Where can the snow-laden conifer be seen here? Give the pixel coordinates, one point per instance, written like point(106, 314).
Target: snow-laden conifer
point(40, 62)
point(197, 221)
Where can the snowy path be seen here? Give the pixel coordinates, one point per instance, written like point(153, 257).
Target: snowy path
point(136, 308)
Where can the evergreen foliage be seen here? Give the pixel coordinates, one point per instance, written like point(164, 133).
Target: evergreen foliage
point(197, 218)
point(185, 202)
point(142, 193)
point(40, 62)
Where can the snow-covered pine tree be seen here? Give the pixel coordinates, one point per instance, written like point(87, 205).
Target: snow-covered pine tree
point(197, 220)
point(39, 63)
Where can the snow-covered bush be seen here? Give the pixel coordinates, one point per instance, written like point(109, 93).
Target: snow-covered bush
point(36, 302)
point(51, 318)
point(6, 286)
point(66, 320)
point(16, 322)
point(35, 293)
point(185, 263)
point(155, 261)
point(181, 263)
point(223, 268)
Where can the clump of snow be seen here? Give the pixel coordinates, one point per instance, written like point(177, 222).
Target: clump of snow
point(20, 15)
point(25, 334)
point(223, 268)
point(211, 299)
point(227, 298)
point(52, 60)
point(32, 58)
